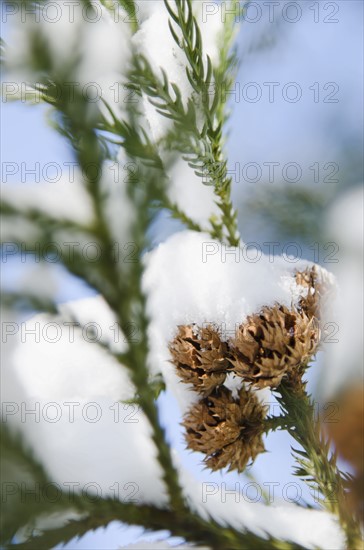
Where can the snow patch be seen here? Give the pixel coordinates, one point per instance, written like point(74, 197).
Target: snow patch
point(193, 279)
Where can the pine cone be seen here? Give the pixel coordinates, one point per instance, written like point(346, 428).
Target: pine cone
point(310, 302)
point(229, 431)
point(320, 290)
point(200, 357)
point(273, 343)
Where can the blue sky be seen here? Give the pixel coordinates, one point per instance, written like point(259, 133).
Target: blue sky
point(305, 132)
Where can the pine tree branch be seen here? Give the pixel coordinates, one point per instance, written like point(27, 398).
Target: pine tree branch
point(192, 528)
point(25, 487)
point(193, 143)
point(147, 152)
point(101, 512)
point(124, 300)
point(178, 214)
point(128, 6)
point(41, 219)
point(201, 146)
point(316, 463)
point(201, 76)
point(273, 423)
point(20, 300)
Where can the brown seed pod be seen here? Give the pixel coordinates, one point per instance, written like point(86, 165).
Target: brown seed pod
point(273, 343)
point(200, 357)
point(310, 302)
point(319, 290)
point(227, 430)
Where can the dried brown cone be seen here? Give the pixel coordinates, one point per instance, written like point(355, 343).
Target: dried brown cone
point(227, 430)
point(318, 290)
point(200, 357)
point(309, 303)
point(273, 343)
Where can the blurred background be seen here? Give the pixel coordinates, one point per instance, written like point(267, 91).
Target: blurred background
point(295, 149)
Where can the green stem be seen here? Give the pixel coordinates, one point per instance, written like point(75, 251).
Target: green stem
point(178, 214)
point(316, 463)
point(215, 114)
point(192, 528)
point(123, 291)
point(273, 423)
point(208, 143)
